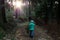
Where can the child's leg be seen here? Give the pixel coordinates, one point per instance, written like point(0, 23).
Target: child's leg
point(31, 33)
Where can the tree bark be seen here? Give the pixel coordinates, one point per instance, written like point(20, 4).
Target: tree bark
point(3, 11)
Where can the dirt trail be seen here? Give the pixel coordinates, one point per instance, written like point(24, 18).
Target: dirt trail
point(20, 34)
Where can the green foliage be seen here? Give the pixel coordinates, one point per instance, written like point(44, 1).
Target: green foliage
point(1, 33)
point(40, 7)
point(12, 39)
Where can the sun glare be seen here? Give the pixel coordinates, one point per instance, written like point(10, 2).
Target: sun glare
point(18, 3)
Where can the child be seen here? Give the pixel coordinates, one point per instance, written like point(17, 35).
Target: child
point(31, 28)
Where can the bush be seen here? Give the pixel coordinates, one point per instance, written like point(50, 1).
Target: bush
point(1, 33)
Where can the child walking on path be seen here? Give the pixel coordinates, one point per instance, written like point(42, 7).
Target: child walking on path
point(31, 28)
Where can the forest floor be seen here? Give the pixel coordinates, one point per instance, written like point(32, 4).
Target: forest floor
point(19, 33)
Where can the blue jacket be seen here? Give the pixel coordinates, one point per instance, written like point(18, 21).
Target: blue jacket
point(31, 25)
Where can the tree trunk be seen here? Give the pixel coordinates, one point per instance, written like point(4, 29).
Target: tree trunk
point(3, 11)
point(3, 20)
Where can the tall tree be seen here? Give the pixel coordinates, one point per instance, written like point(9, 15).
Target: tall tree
point(2, 10)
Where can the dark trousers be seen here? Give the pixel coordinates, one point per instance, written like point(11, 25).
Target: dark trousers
point(31, 33)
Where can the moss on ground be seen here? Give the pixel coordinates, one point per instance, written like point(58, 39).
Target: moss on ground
point(1, 33)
